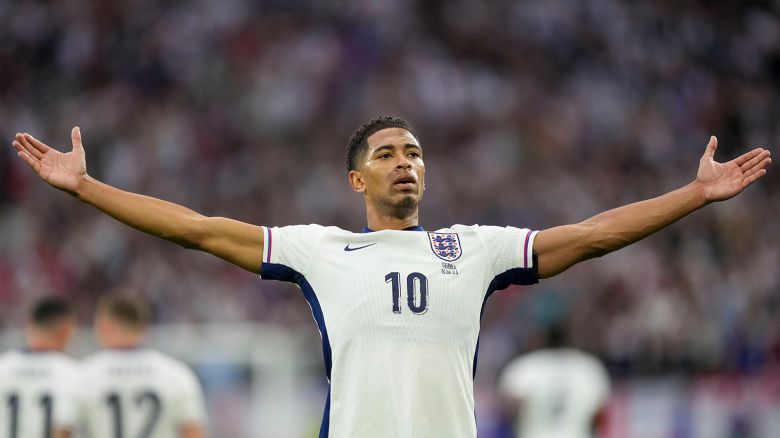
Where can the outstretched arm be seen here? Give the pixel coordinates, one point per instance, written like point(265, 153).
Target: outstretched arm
point(237, 242)
point(561, 247)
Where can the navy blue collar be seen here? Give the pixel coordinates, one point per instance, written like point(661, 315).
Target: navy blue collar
point(415, 228)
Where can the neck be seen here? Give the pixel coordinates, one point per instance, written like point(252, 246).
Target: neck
point(37, 343)
point(378, 219)
point(123, 340)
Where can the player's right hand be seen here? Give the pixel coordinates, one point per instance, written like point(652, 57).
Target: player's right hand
point(62, 170)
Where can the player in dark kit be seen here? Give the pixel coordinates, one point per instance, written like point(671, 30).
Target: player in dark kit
point(398, 307)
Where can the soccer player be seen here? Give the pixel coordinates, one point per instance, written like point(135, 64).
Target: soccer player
point(128, 390)
point(36, 384)
point(557, 391)
point(398, 307)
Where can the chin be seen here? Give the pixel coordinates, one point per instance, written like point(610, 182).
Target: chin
point(406, 206)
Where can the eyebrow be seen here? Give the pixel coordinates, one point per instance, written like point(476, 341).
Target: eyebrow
point(390, 147)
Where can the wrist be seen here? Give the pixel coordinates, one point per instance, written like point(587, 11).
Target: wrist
point(82, 187)
point(698, 194)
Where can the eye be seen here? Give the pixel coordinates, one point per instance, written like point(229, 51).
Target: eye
point(414, 154)
point(383, 156)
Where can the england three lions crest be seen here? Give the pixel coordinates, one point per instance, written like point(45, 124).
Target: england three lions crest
point(446, 246)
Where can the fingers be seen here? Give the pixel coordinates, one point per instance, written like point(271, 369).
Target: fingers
point(711, 147)
point(27, 155)
point(32, 162)
point(759, 166)
point(755, 176)
point(755, 157)
point(744, 158)
point(36, 143)
point(75, 138)
point(25, 145)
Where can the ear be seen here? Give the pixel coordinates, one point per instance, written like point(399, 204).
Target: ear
point(356, 181)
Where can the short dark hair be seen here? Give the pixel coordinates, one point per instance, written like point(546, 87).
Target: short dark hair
point(127, 310)
point(49, 310)
point(358, 143)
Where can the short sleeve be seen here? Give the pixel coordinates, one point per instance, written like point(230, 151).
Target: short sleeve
point(511, 253)
point(288, 250)
point(191, 402)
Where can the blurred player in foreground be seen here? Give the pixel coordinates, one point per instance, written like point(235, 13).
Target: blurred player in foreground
point(36, 384)
point(128, 390)
point(557, 391)
point(398, 308)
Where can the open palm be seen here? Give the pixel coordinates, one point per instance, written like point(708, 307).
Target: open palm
point(61, 170)
point(721, 181)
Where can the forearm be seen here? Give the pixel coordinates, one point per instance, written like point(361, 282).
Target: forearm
point(622, 226)
point(153, 216)
point(561, 247)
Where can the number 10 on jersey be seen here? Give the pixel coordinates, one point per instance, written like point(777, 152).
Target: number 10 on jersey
point(416, 292)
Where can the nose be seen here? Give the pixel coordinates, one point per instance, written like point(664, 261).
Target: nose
point(404, 163)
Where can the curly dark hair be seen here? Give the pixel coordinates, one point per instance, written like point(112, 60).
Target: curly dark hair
point(358, 143)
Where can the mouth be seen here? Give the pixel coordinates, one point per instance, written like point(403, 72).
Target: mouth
point(405, 183)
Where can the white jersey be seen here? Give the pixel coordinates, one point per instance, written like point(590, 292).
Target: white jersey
point(399, 314)
point(561, 391)
point(36, 393)
point(128, 393)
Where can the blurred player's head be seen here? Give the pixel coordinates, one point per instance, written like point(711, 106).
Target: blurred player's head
point(51, 324)
point(121, 321)
point(385, 164)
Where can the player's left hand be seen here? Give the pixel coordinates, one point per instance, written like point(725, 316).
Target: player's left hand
point(721, 181)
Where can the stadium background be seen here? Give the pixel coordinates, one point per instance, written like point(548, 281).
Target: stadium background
point(531, 113)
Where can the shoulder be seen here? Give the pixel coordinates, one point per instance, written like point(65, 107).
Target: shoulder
point(591, 363)
point(92, 361)
point(65, 367)
point(308, 228)
point(172, 366)
point(8, 356)
point(484, 231)
point(532, 361)
point(459, 228)
point(308, 232)
point(94, 357)
point(64, 361)
point(7, 360)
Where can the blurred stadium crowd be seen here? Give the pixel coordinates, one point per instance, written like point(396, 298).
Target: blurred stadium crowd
point(532, 114)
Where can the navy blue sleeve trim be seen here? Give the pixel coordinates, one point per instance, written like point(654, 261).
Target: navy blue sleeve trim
point(521, 276)
point(275, 271)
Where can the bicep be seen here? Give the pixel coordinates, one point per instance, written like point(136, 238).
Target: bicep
point(558, 248)
point(237, 242)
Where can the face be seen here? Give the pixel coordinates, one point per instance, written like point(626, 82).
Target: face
point(68, 328)
point(58, 333)
point(391, 172)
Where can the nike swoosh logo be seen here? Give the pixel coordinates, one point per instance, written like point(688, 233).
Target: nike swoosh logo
point(347, 248)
